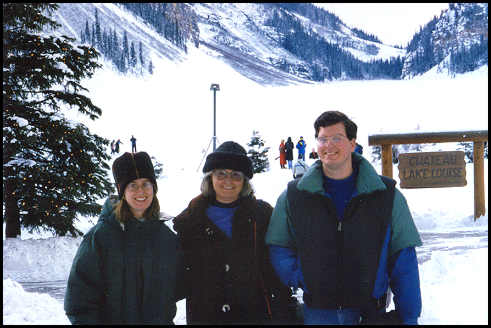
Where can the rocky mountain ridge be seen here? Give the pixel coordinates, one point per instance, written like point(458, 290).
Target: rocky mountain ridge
point(283, 43)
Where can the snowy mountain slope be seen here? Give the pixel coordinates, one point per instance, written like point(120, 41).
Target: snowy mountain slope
point(241, 28)
point(252, 67)
point(253, 39)
point(237, 33)
point(343, 35)
point(456, 30)
point(73, 17)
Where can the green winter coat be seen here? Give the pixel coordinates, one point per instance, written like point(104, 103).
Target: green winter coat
point(404, 232)
point(124, 274)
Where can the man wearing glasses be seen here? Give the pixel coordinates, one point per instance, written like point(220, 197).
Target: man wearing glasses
point(344, 234)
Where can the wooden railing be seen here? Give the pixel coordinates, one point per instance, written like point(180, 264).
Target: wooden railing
point(477, 137)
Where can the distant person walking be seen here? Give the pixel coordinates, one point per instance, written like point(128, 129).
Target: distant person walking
point(112, 147)
point(289, 152)
point(301, 145)
point(282, 154)
point(116, 146)
point(133, 144)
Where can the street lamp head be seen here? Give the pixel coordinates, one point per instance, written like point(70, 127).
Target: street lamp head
point(215, 87)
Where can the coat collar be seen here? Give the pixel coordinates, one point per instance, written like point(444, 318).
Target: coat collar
point(107, 214)
point(367, 180)
point(194, 214)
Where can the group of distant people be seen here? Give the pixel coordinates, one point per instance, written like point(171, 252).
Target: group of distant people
point(342, 233)
point(115, 145)
point(286, 151)
point(300, 167)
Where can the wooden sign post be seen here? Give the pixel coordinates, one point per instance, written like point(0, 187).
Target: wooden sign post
point(432, 169)
point(436, 169)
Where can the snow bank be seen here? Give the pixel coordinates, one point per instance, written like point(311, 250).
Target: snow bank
point(23, 308)
point(39, 259)
point(455, 288)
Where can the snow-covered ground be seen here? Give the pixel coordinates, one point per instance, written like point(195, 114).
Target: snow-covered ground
point(171, 115)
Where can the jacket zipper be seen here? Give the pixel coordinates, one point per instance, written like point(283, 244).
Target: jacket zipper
point(340, 287)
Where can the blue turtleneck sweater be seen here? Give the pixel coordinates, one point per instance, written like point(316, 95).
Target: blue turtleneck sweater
point(341, 191)
point(221, 214)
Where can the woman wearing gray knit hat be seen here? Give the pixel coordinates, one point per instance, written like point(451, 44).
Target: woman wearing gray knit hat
point(125, 270)
point(228, 275)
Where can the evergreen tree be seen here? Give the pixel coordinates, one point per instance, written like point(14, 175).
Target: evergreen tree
point(115, 48)
point(98, 36)
point(150, 67)
point(141, 55)
point(132, 55)
point(87, 32)
point(53, 169)
point(176, 21)
point(158, 167)
point(258, 153)
point(92, 36)
point(468, 149)
point(122, 64)
point(105, 42)
point(376, 153)
point(125, 45)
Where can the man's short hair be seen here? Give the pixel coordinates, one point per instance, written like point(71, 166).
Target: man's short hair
point(333, 117)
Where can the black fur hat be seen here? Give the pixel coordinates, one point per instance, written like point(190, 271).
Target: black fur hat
point(230, 155)
point(129, 167)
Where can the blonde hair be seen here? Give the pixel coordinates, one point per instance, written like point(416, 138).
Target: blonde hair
point(208, 191)
point(123, 213)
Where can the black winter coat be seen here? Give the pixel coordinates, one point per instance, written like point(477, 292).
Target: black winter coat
point(289, 150)
point(231, 281)
point(124, 276)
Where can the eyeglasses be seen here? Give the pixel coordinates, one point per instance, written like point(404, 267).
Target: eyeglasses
point(146, 186)
point(335, 139)
point(234, 175)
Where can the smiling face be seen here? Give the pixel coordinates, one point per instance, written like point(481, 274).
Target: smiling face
point(139, 195)
point(227, 186)
point(335, 154)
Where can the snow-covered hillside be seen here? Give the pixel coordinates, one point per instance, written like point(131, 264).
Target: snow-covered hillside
point(456, 31)
point(236, 33)
point(73, 17)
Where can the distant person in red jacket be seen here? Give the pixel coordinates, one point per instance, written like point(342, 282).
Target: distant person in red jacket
point(282, 154)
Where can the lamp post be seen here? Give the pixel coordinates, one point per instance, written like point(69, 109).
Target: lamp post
point(215, 87)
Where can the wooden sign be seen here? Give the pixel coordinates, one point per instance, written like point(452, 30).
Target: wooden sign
point(432, 169)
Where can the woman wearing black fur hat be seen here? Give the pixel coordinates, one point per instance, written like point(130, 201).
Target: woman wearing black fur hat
point(228, 274)
point(125, 270)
